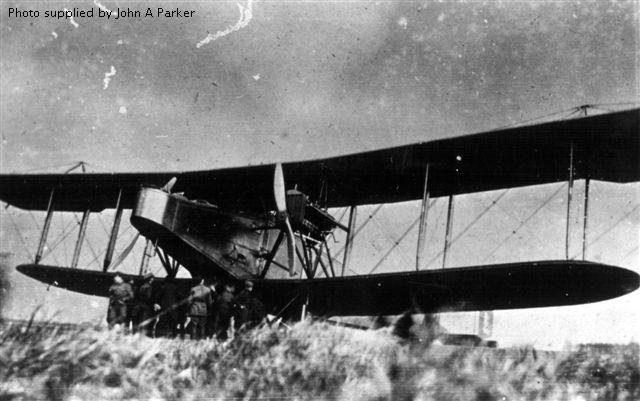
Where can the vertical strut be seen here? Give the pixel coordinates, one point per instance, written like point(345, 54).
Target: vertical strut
point(424, 210)
point(45, 228)
point(447, 235)
point(569, 193)
point(585, 218)
point(326, 247)
point(272, 254)
point(350, 234)
point(148, 252)
point(303, 261)
point(114, 234)
point(81, 232)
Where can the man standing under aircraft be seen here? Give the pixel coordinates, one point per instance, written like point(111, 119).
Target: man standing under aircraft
point(170, 310)
point(120, 293)
point(211, 316)
point(145, 305)
point(249, 310)
point(200, 303)
point(224, 312)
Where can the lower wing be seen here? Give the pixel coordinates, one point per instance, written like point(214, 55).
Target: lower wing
point(490, 287)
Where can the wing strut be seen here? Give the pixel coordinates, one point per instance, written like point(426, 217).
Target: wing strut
point(447, 236)
point(350, 233)
point(326, 247)
point(114, 233)
point(585, 219)
point(81, 233)
point(424, 210)
point(272, 254)
point(569, 194)
point(45, 228)
point(146, 255)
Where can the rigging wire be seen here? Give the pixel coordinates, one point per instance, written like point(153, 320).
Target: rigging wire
point(35, 221)
point(397, 242)
point(536, 118)
point(64, 244)
point(605, 232)
point(104, 228)
point(468, 227)
point(61, 237)
point(512, 216)
point(24, 242)
point(359, 229)
point(525, 221)
point(88, 242)
point(631, 251)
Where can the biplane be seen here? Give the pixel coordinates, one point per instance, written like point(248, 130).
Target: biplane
point(270, 223)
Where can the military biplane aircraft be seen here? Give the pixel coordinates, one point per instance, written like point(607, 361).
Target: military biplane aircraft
point(230, 224)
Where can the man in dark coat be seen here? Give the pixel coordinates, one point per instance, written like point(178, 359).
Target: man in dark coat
point(200, 304)
point(249, 311)
point(120, 294)
point(170, 311)
point(211, 316)
point(144, 316)
point(224, 312)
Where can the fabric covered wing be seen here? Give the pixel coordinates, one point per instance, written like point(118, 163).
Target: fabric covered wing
point(88, 282)
point(605, 147)
point(492, 287)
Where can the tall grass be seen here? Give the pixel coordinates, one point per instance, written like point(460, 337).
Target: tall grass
point(309, 361)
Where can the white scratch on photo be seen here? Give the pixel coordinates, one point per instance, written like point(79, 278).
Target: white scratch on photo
point(107, 77)
point(246, 14)
point(71, 20)
point(100, 6)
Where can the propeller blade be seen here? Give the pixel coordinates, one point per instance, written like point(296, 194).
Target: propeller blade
point(291, 247)
point(279, 193)
point(280, 196)
point(169, 185)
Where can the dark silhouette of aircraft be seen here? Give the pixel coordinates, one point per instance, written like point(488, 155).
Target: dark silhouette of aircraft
point(230, 224)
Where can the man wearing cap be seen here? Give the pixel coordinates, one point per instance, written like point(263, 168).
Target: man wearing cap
point(224, 311)
point(120, 293)
point(200, 302)
point(144, 304)
point(249, 310)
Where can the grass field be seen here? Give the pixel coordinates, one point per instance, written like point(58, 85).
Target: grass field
point(310, 361)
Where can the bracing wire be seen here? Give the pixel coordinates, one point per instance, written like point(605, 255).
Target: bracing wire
point(514, 217)
point(104, 228)
point(15, 226)
point(609, 229)
point(522, 223)
point(468, 227)
point(64, 244)
point(395, 244)
point(87, 241)
point(65, 233)
point(631, 252)
point(537, 118)
point(359, 229)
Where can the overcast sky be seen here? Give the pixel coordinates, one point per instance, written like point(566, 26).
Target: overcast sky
point(293, 80)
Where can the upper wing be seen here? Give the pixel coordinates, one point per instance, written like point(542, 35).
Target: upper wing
point(605, 147)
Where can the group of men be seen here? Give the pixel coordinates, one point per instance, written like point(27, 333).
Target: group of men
point(159, 309)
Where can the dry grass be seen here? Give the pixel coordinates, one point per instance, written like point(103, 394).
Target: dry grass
point(310, 361)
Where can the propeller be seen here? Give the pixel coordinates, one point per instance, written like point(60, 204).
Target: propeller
point(169, 185)
point(280, 197)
